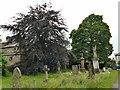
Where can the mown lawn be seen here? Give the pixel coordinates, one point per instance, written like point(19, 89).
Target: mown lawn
point(64, 80)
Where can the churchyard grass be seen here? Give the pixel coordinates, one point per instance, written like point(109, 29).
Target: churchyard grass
point(104, 80)
point(0, 83)
point(64, 80)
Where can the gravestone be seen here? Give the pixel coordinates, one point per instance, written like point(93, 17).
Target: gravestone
point(58, 66)
point(82, 62)
point(95, 65)
point(74, 69)
point(104, 69)
point(46, 69)
point(95, 61)
point(16, 77)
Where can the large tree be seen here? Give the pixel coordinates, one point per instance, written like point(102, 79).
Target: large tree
point(41, 37)
point(92, 31)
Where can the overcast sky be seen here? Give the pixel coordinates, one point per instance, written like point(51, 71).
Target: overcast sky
point(74, 11)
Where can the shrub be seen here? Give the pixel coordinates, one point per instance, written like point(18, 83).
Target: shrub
point(5, 71)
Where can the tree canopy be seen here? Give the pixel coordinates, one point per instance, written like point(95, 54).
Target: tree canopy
point(92, 31)
point(41, 37)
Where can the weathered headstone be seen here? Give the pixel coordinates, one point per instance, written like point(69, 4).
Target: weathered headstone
point(74, 69)
point(46, 69)
point(96, 65)
point(58, 66)
point(104, 69)
point(16, 77)
point(82, 62)
point(95, 61)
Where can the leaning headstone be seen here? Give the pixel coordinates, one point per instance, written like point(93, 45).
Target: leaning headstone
point(46, 69)
point(74, 69)
point(16, 77)
point(58, 66)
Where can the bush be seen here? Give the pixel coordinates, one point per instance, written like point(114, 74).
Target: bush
point(5, 71)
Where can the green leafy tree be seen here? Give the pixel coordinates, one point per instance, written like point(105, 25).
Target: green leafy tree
point(92, 31)
point(3, 68)
point(41, 37)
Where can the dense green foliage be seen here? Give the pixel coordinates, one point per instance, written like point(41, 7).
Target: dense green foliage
point(92, 31)
point(3, 68)
point(41, 37)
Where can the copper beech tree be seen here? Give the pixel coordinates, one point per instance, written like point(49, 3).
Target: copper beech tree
point(41, 37)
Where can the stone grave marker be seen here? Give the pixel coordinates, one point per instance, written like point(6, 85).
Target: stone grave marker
point(74, 69)
point(82, 62)
point(95, 61)
point(16, 77)
point(96, 65)
point(58, 66)
point(104, 69)
point(46, 69)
